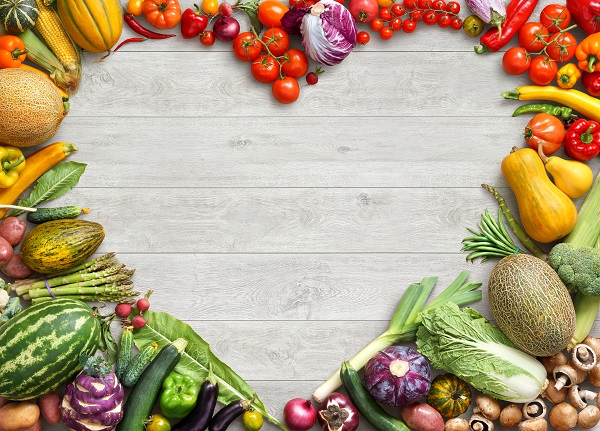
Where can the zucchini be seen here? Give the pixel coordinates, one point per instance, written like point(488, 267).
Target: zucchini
point(134, 368)
point(366, 404)
point(125, 349)
point(43, 215)
point(145, 393)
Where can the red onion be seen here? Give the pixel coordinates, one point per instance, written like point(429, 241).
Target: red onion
point(299, 414)
point(226, 28)
point(337, 413)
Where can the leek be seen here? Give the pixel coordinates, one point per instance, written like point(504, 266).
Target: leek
point(406, 320)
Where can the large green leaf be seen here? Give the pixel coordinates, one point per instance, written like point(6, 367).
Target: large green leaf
point(163, 328)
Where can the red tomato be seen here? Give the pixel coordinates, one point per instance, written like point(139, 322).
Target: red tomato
point(385, 14)
point(444, 20)
point(246, 47)
point(542, 70)
point(562, 47)
point(416, 15)
point(162, 14)
point(438, 4)
point(294, 63)
point(265, 68)
point(516, 60)
point(453, 8)
point(364, 10)
point(386, 33)
point(362, 38)
point(423, 4)
point(430, 17)
point(277, 40)
point(409, 26)
point(398, 10)
point(376, 24)
point(410, 4)
point(533, 36)
point(456, 23)
point(286, 90)
point(555, 17)
point(207, 38)
point(396, 24)
point(547, 130)
point(270, 13)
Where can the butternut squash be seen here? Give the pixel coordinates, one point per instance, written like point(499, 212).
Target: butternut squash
point(546, 212)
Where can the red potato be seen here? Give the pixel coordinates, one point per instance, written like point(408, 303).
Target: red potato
point(13, 230)
point(19, 416)
point(15, 268)
point(50, 407)
point(4, 401)
point(6, 250)
point(422, 417)
point(36, 426)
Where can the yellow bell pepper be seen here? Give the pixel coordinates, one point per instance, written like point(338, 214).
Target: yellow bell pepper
point(588, 53)
point(13, 163)
point(567, 76)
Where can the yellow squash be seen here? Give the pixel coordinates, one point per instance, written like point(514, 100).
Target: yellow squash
point(94, 25)
point(572, 177)
point(546, 213)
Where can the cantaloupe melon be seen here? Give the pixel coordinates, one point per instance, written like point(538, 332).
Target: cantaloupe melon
point(31, 108)
point(531, 305)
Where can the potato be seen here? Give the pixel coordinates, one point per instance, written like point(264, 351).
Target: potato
point(422, 417)
point(6, 250)
point(36, 426)
point(19, 416)
point(15, 268)
point(50, 407)
point(4, 401)
point(13, 230)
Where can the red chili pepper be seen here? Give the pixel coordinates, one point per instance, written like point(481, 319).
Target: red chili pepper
point(126, 41)
point(517, 14)
point(143, 31)
point(582, 141)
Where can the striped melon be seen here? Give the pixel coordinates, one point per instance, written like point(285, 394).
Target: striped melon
point(94, 25)
point(40, 347)
point(18, 15)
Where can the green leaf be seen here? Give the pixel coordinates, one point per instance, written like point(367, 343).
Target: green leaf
point(197, 359)
point(53, 184)
point(108, 343)
point(250, 8)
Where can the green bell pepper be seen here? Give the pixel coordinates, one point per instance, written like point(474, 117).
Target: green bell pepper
point(179, 395)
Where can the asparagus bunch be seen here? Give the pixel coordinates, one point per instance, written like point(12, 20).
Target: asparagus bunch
point(100, 279)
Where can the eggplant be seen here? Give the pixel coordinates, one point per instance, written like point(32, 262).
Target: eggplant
point(228, 414)
point(201, 414)
point(492, 12)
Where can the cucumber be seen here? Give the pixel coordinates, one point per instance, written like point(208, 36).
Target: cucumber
point(366, 404)
point(125, 349)
point(134, 368)
point(145, 393)
point(43, 215)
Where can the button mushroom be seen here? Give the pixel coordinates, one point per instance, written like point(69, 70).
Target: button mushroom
point(537, 424)
point(588, 418)
point(594, 375)
point(594, 343)
point(567, 376)
point(510, 416)
point(563, 417)
point(583, 357)
point(487, 406)
point(456, 424)
point(552, 394)
point(534, 409)
point(579, 397)
point(551, 362)
point(480, 423)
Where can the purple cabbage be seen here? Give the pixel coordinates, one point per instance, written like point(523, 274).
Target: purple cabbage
point(398, 376)
point(492, 12)
point(327, 28)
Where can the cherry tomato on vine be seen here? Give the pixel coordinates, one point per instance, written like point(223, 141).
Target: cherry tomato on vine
point(409, 26)
point(246, 47)
point(364, 10)
point(562, 47)
point(385, 14)
point(396, 24)
point(294, 63)
point(207, 38)
point(416, 15)
point(516, 60)
point(533, 36)
point(423, 4)
point(386, 33)
point(265, 68)
point(438, 5)
point(385, 3)
point(456, 23)
point(376, 24)
point(555, 17)
point(270, 13)
point(410, 4)
point(542, 70)
point(453, 8)
point(430, 17)
point(473, 25)
point(210, 7)
point(362, 38)
point(277, 40)
point(398, 10)
point(286, 90)
point(444, 20)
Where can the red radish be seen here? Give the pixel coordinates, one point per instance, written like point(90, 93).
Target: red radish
point(143, 304)
point(138, 322)
point(123, 310)
point(225, 9)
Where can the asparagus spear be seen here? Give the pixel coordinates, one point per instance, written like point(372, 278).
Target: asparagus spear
point(109, 275)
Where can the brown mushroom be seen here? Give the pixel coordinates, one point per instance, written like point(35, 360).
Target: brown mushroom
point(551, 362)
point(510, 416)
point(456, 424)
point(567, 376)
point(563, 417)
point(537, 424)
point(534, 409)
point(594, 375)
point(579, 397)
point(487, 406)
point(583, 357)
point(594, 343)
point(552, 394)
point(480, 423)
point(588, 418)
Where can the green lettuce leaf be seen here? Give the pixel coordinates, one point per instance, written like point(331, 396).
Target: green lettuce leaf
point(466, 344)
point(163, 328)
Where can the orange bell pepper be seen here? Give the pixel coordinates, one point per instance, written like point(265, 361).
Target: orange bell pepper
point(588, 53)
point(12, 51)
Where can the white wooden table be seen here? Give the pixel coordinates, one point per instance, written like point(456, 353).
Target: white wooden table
point(286, 234)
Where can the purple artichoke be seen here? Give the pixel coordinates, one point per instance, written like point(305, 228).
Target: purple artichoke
point(398, 376)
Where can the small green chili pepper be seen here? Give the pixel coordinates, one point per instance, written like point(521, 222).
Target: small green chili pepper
point(563, 112)
point(179, 395)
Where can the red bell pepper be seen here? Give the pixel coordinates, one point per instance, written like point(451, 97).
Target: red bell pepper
point(586, 14)
point(582, 141)
point(591, 83)
point(193, 22)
